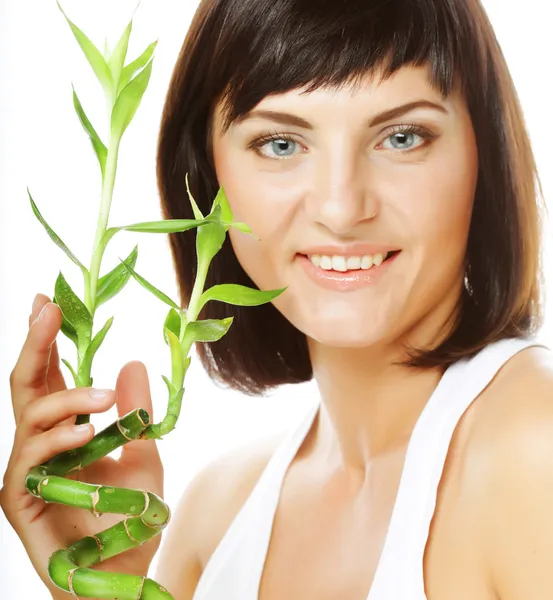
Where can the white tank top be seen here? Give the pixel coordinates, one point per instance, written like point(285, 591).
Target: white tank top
point(233, 572)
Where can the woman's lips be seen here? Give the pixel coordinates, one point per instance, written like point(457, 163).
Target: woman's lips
point(346, 280)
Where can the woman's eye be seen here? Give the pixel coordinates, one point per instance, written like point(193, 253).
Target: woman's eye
point(280, 146)
point(401, 141)
point(406, 138)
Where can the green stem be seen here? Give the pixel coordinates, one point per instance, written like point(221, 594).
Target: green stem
point(101, 240)
point(197, 291)
point(158, 430)
point(100, 243)
point(105, 206)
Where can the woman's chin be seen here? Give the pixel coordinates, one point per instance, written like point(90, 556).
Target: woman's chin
point(346, 335)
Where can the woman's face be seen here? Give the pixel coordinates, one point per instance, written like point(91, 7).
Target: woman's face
point(354, 175)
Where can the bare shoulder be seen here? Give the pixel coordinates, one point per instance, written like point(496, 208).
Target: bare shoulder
point(227, 483)
point(206, 510)
point(510, 469)
point(517, 403)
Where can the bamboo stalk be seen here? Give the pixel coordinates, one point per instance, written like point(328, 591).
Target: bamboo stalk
point(146, 514)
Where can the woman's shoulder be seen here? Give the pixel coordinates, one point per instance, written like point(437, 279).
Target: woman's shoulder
point(209, 504)
point(223, 486)
point(517, 402)
point(509, 468)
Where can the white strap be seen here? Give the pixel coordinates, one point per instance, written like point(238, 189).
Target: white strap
point(265, 511)
point(228, 573)
point(416, 501)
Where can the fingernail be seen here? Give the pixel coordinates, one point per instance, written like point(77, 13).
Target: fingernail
point(40, 315)
point(35, 303)
point(82, 428)
point(99, 394)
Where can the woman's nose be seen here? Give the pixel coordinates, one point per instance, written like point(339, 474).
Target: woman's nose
point(341, 199)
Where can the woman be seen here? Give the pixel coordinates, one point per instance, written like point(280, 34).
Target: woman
point(378, 150)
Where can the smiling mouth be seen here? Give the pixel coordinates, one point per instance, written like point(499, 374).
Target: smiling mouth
point(362, 263)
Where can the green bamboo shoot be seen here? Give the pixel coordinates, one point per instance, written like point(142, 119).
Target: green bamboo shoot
point(146, 515)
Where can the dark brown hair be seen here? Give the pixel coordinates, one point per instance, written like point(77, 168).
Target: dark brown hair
point(239, 51)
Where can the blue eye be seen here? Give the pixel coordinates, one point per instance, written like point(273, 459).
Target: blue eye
point(278, 143)
point(402, 140)
point(403, 137)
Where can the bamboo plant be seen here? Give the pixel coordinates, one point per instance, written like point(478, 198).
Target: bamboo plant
point(146, 515)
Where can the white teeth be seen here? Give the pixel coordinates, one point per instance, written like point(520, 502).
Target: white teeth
point(351, 263)
point(339, 263)
point(377, 259)
point(326, 263)
point(366, 262)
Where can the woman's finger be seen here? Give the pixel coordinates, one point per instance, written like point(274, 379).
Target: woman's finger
point(28, 379)
point(55, 381)
point(54, 377)
point(133, 391)
point(35, 451)
point(41, 414)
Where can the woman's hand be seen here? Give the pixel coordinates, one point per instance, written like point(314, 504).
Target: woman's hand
point(45, 412)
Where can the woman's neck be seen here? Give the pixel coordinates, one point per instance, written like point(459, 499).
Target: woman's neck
point(368, 405)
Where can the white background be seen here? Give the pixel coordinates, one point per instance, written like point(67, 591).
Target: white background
point(43, 146)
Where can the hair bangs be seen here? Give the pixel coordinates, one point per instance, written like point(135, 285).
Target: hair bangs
point(275, 47)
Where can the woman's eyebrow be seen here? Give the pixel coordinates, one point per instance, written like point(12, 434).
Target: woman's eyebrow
point(294, 120)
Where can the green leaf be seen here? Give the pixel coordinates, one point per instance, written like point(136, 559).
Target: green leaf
point(136, 65)
point(73, 309)
point(97, 144)
point(117, 59)
point(72, 370)
point(177, 362)
point(113, 282)
point(173, 391)
point(109, 233)
point(240, 295)
point(93, 55)
point(243, 227)
point(172, 323)
point(187, 364)
point(66, 328)
point(107, 51)
point(128, 101)
point(197, 212)
point(171, 388)
point(210, 239)
point(96, 343)
point(150, 287)
point(167, 226)
point(54, 237)
point(209, 330)
point(222, 201)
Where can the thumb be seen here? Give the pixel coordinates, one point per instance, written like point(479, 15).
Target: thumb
point(133, 391)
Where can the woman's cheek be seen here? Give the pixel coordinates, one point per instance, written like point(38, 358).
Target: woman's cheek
point(251, 254)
